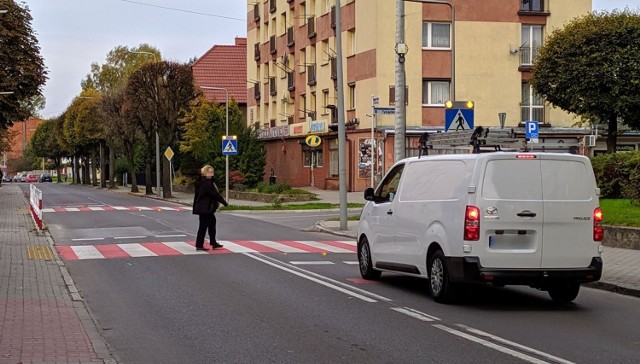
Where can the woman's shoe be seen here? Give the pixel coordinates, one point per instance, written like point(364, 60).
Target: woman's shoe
point(201, 248)
point(216, 245)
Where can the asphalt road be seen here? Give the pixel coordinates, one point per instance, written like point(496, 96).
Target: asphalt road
point(284, 307)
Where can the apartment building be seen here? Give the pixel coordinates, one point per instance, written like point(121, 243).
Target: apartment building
point(478, 50)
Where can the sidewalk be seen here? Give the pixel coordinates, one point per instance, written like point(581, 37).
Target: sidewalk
point(42, 318)
point(621, 272)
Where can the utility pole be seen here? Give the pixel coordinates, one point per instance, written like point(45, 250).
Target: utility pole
point(342, 133)
point(399, 142)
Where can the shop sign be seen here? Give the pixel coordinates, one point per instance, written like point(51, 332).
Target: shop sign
point(299, 128)
point(317, 126)
point(277, 132)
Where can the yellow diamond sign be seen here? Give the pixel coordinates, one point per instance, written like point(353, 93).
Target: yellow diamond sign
point(168, 153)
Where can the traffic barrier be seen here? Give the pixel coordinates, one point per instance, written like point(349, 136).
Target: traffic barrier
point(35, 199)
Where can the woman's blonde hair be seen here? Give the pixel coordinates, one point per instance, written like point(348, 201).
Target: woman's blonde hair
point(206, 169)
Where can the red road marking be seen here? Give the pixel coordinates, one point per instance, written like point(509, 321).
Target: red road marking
point(108, 208)
point(360, 281)
point(84, 209)
point(160, 249)
point(255, 246)
point(59, 209)
point(112, 251)
point(338, 244)
point(305, 247)
point(66, 253)
point(211, 251)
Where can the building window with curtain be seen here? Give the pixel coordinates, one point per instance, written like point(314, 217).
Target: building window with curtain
point(532, 105)
point(333, 158)
point(532, 36)
point(435, 92)
point(436, 35)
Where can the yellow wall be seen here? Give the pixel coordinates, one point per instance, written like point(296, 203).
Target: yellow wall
point(487, 72)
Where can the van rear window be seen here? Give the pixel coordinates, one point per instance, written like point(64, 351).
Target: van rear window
point(512, 180)
point(566, 181)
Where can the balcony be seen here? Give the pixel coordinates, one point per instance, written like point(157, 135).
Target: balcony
point(334, 67)
point(256, 51)
point(311, 27)
point(272, 86)
point(291, 81)
point(311, 115)
point(333, 17)
point(256, 90)
point(528, 56)
point(532, 7)
point(256, 12)
point(272, 44)
point(311, 74)
point(290, 37)
point(290, 120)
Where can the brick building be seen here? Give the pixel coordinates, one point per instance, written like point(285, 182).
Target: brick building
point(23, 132)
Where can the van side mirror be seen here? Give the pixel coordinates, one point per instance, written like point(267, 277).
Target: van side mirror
point(369, 194)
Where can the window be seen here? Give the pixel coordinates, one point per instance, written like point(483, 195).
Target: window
point(333, 158)
point(531, 42)
point(352, 96)
point(388, 189)
point(302, 109)
point(351, 39)
point(532, 5)
point(324, 48)
point(312, 104)
point(325, 101)
point(436, 35)
point(532, 104)
point(435, 93)
point(313, 157)
point(303, 60)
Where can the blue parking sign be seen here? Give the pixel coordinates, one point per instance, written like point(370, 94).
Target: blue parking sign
point(531, 129)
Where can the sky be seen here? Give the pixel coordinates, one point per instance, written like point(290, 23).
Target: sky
point(75, 33)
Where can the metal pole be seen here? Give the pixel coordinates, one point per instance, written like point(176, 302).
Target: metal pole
point(342, 133)
point(399, 142)
point(226, 162)
point(158, 160)
point(373, 112)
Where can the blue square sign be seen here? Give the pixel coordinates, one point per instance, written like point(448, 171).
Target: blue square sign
point(229, 145)
point(531, 129)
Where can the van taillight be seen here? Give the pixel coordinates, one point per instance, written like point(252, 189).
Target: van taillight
point(598, 230)
point(472, 223)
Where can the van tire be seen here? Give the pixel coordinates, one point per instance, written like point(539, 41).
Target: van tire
point(440, 288)
point(364, 261)
point(564, 292)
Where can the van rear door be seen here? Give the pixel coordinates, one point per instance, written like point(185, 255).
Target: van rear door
point(569, 192)
point(511, 212)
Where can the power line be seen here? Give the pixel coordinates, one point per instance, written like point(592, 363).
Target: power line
point(182, 10)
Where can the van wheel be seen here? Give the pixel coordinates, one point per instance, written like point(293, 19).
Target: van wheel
point(364, 261)
point(440, 288)
point(564, 292)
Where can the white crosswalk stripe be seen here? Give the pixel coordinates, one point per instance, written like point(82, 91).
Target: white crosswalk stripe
point(87, 252)
point(137, 250)
point(279, 246)
point(183, 248)
point(327, 247)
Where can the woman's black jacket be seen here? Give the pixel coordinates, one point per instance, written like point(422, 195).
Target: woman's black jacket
point(207, 199)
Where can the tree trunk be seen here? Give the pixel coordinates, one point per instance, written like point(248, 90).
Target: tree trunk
point(149, 178)
point(76, 170)
point(112, 168)
point(612, 134)
point(103, 175)
point(85, 171)
point(94, 169)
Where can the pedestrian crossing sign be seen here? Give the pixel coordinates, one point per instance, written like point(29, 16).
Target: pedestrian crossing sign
point(458, 115)
point(229, 145)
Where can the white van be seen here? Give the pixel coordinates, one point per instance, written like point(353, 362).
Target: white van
point(498, 218)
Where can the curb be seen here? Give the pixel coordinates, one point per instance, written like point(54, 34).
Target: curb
point(319, 227)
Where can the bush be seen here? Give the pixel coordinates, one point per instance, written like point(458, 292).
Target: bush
point(273, 188)
point(237, 180)
point(618, 175)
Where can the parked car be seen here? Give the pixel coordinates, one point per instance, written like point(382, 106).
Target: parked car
point(46, 177)
point(17, 177)
point(493, 218)
point(32, 178)
point(7, 178)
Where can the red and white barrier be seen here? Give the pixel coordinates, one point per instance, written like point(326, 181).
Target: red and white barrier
point(35, 199)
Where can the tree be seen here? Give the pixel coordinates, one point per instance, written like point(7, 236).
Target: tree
point(46, 142)
point(203, 127)
point(22, 69)
point(158, 93)
point(82, 131)
point(591, 67)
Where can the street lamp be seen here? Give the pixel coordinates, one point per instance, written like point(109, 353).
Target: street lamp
point(155, 59)
point(226, 162)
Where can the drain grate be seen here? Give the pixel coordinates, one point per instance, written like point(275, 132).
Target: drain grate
point(39, 252)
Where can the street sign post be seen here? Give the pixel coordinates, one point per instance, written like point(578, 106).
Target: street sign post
point(169, 154)
point(458, 115)
point(230, 145)
point(531, 131)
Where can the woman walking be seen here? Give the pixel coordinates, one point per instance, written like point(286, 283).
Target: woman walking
point(206, 201)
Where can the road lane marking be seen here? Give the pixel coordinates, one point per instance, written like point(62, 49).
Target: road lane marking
point(170, 236)
point(279, 246)
point(324, 247)
point(129, 237)
point(236, 248)
point(87, 252)
point(351, 293)
point(491, 345)
point(351, 262)
point(312, 262)
point(120, 208)
point(184, 248)
point(96, 208)
point(87, 239)
point(415, 314)
point(514, 344)
point(144, 208)
point(137, 250)
point(72, 209)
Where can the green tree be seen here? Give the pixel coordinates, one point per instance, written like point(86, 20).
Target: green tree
point(591, 67)
point(83, 131)
point(22, 69)
point(158, 94)
point(202, 129)
point(46, 142)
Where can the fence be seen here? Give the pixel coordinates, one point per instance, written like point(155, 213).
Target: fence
point(35, 199)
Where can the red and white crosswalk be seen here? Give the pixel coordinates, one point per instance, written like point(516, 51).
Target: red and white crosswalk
point(116, 208)
point(156, 249)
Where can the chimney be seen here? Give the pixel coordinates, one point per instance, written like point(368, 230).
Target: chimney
point(241, 41)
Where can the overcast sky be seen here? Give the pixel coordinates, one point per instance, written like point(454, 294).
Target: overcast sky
point(75, 33)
